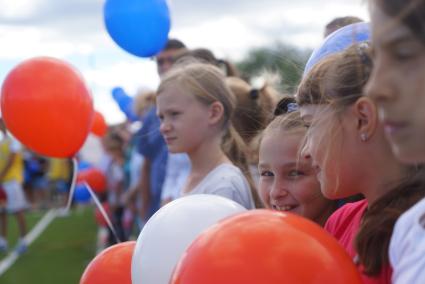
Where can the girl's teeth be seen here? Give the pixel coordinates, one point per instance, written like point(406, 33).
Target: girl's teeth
point(283, 208)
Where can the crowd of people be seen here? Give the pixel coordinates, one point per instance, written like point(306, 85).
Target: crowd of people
point(345, 151)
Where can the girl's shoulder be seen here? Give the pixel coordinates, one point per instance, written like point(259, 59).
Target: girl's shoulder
point(224, 175)
point(347, 216)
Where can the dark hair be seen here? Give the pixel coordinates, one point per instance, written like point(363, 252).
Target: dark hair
point(283, 106)
point(410, 12)
point(173, 43)
point(205, 55)
point(373, 238)
point(340, 22)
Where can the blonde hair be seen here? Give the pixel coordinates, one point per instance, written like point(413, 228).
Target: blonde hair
point(206, 83)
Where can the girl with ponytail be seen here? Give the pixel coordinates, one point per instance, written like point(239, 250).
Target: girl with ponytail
point(195, 107)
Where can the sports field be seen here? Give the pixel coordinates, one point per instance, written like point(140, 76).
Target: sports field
point(59, 255)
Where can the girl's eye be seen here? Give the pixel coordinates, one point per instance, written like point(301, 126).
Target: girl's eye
point(266, 174)
point(402, 53)
point(175, 113)
point(295, 173)
point(161, 117)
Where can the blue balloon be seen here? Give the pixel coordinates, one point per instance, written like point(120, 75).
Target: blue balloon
point(338, 41)
point(125, 103)
point(81, 194)
point(83, 165)
point(140, 27)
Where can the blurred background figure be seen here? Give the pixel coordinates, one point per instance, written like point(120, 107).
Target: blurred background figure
point(340, 22)
point(11, 179)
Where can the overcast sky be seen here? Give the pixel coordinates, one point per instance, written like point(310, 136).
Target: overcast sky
point(73, 30)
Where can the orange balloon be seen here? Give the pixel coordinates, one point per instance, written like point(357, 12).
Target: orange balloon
point(94, 178)
point(99, 126)
point(113, 265)
point(47, 106)
point(263, 246)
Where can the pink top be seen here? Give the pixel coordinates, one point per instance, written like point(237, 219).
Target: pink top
point(344, 224)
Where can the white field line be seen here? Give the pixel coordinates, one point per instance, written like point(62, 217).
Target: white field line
point(29, 238)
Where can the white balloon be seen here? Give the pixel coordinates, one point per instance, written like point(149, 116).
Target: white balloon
point(171, 230)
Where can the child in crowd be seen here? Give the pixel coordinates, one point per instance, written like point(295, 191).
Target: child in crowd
point(397, 85)
point(288, 182)
point(350, 154)
point(113, 144)
point(253, 112)
point(11, 179)
point(195, 107)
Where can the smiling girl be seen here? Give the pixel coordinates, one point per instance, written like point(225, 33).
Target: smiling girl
point(287, 180)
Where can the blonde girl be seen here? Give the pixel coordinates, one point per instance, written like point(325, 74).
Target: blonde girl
point(195, 108)
point(288, 181)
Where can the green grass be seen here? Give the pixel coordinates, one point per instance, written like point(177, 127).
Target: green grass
point(12, 237)
point(60, 254)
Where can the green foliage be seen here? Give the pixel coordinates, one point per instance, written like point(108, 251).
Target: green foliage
point(286, 60)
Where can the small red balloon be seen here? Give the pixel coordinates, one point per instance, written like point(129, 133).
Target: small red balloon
point(99, 126)
point(46, 105)
point(263, 246)
point(94, 178)
point(113, 265)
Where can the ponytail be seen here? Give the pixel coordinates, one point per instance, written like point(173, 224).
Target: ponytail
point(236, 150)
point(373, 239)
point(229, 69)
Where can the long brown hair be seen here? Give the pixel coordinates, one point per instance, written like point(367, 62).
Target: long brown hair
point(338, 82)
point(207, 84)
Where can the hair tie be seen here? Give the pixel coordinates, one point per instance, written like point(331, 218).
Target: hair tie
point(286, 105)
point(361, 51)
point(254, 94)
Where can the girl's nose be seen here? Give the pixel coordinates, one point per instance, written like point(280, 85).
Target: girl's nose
point(164, 127)
point(279, 190)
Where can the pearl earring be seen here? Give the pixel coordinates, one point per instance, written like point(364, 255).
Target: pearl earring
point(363, 137)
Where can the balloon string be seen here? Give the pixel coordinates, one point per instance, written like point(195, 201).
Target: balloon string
point(102, 210)
point(73, 182)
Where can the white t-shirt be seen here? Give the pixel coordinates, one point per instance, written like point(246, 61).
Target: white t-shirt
point(178, 169)
point(228, 181)
point(407, 246)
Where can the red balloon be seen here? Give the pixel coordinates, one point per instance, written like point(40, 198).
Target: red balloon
point(99, 126)
point(113, 265)
point(94, 178)
point(100, 220)
point(263, 246)
point(47, 106)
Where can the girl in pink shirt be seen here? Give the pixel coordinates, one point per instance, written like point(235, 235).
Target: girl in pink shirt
point(350, 153)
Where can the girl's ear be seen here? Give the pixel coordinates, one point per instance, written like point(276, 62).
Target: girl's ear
point(215, 112)
point(367, 118)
